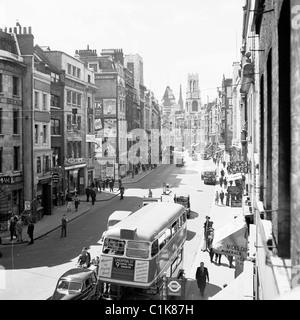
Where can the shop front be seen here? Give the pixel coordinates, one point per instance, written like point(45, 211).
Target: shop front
point(74, 175)
point(44, 197)
point(11, 198)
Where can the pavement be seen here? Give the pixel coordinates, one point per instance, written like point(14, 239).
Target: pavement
point(51, 222)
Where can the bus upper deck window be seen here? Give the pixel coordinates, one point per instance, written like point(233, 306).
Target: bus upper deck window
point(138, 249)
point(154, 248)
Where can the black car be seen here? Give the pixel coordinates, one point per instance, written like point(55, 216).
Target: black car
point(77, 284)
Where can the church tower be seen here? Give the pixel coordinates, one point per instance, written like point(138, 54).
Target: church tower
point(180, 101)
point(193, 96)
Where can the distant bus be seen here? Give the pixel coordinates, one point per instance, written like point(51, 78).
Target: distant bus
point(139, 250)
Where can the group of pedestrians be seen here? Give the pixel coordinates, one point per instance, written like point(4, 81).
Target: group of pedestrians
point(16, 225)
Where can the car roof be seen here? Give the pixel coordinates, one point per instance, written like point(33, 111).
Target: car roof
point(182, 194)
point(77, 274)
point(119, 215)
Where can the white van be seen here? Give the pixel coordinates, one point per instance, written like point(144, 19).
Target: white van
point(114, 218)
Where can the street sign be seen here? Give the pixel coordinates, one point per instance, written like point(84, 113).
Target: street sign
point(27, 205)
point(174, 287)
point(55, 177)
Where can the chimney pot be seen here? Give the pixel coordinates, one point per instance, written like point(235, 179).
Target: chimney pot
point(88, 47)
point(5, 30)
point(15, 30)
point(10, 30)
point(29, 30)
point(24, 30)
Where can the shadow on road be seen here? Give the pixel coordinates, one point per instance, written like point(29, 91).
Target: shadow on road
point(193, 215)
point(190, 235)
point(194, 292)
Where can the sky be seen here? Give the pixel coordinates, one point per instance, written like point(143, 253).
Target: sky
point(174, 37)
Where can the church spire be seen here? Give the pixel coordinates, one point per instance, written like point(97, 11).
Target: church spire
point(180, 101)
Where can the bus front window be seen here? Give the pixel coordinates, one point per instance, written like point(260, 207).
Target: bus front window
point(113, 246)
point(138, 249)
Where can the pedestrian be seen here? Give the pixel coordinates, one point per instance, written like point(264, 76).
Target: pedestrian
point(87, 192)
point(207, 225)
point(221, 181)
point(218, 256)
point(201, 277)
point(76, 202)
point(12, 226)
point(227, 198)
point(103, 184)
point(84, 259)
point(210, 237)
point(69, 201)
point(222, 173)
point(222, 197)
point(19, 229)
point(30, 230)
point(120, 182)
point(93, 195)
point(107, 182)
point(100, 185)
point(217, 197)
point(111, 185)
point(150, 193)
point(225, 182)
point(122, 190)
point(230, 259)
point(64, 222)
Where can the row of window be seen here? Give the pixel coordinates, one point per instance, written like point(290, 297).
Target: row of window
point(74, 71)
point(44, 134)
point(74, 98)
point(15, 121)
point(74, 149)
point(43, 163)
point(41, 101)
point(12, 82)
point(16, 159)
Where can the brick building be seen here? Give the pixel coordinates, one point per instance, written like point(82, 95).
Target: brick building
point(272, 112)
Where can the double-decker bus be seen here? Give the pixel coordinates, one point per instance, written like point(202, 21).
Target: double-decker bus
point(141, 250)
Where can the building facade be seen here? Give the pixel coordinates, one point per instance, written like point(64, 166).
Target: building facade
point(12, 68)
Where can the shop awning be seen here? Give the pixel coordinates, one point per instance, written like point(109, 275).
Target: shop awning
point(241, 288)
point(232, 239)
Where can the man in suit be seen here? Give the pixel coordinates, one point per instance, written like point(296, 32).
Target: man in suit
point(201, 276)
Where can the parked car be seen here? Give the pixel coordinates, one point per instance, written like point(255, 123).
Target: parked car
point(77, 284)
point(184, 199)
point(209, 175)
